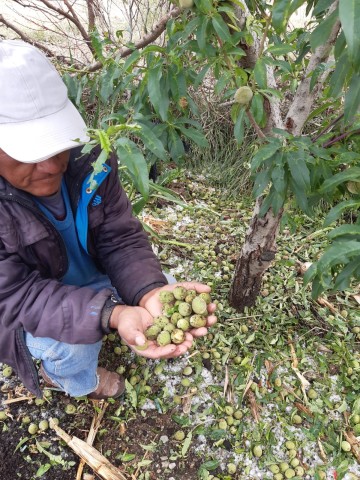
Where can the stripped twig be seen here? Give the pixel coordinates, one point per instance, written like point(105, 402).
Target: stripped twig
point(95, 424)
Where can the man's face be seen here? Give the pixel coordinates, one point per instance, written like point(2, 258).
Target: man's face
point(40, 179)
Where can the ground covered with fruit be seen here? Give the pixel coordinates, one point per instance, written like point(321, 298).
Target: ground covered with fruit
point(270, 393)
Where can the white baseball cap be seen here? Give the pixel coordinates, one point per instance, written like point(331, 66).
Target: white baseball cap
point(37, 120)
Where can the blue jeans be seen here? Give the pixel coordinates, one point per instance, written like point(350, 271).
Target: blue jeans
point(71, 367)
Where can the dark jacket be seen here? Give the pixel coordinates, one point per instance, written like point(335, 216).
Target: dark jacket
point(33, 260)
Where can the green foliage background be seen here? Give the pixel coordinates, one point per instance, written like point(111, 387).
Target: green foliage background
point(149, 107)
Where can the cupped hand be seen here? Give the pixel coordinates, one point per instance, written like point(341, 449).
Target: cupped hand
point(131, 323)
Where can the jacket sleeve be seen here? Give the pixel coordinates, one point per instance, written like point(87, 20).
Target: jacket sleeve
point(123, 247)
point(46, 307)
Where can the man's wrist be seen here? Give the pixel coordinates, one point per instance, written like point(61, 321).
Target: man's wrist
point(107, 312)
point(114, 317)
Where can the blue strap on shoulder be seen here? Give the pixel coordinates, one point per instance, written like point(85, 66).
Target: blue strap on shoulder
point(87, 193)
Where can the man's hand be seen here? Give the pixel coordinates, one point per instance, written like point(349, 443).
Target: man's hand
point(131, 323)
point(150, 301)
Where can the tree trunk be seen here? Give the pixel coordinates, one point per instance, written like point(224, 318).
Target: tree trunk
point(260, 242)
point(255, 258)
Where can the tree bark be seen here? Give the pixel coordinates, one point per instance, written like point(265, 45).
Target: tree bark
point(255, 258)
point(260, 242)
point(304, 97)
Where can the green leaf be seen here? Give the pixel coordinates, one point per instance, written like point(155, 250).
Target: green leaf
point(130, 155)
point(154, 48)
point(57, 459)
point(349, 13)
point(356, 407)
point(322, 32)
point(321, 6)
point(274, 200)
point(260, 74)
point(104, 141)
point(320, 109)
point(97, 167)
point(338, 253)
point(183, 421)
point(221, 28)
point(42, 469)
point(152, 142)
point(352, 230)
point(176, 145)
point(352, 98)
point(295, 4)
point(200, 77)
point(177, 82)
point(319, 70)
point(225, 78)
point(352, 173)
point(126, 457)
point(153, 86)
point(201, 32)
point(340, 45)
point(239, 127)
point(21, 443)
point(159, 191)
point(343, 278)
point(280, 14)
point(107, 82)
point(144, 463)
point(74, 88)
point(257, 109)
point(310, 273)
point(191, 27)
point(335, 212)
point(164, 100)
point(301, 196)
point(261, 181)
point(279, 180)
point(342, 70)
point(97, 44)
point(250, 338)
point(280, 49)
point(210, 465)
point(186, 444)
point(298, 169)
point(133, 58)
point(130, 390)
point(195, 135)
point(265, 152)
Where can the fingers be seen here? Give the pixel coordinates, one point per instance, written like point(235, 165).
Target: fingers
point(212, 307)
point(132, 336)
point(199, 332)
point(154, 352)
point(199, 287)
point(211, 320)
point(169, 351)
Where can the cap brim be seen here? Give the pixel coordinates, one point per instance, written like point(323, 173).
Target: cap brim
point(39, 139)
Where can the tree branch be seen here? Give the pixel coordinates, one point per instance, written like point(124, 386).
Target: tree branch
point(304, 98)
point(328, 127)
point(72, 18)
point(255, 125)
point(146, 40)
point(340, 137)
point(24, 37)
point(91, 15)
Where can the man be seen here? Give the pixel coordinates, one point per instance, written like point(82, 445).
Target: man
point(74, 262)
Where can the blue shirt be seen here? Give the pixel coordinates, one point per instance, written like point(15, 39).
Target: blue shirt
point(82, 270)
